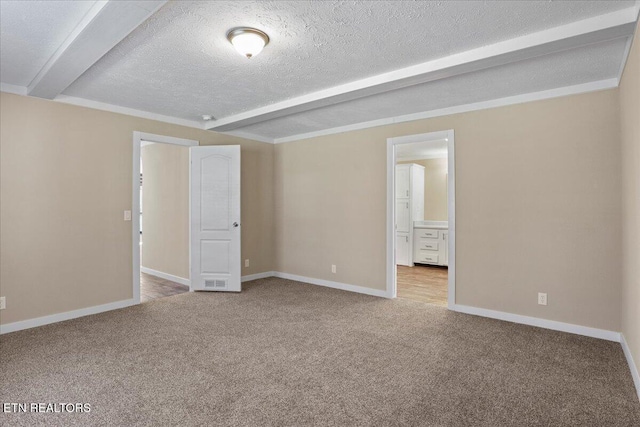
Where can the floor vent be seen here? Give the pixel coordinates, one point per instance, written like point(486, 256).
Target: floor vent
point(215, 284)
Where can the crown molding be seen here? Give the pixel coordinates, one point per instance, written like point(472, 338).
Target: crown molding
point(597, 29)
point(501, 102)
point(14, 89)
point(249, 135)
point(627, 49)
point(484, 105)
point(82, 102)
point(96, 105)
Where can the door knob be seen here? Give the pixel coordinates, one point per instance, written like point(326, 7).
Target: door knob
point(235, 224)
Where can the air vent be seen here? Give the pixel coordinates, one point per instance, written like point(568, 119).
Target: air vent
point(215, 284)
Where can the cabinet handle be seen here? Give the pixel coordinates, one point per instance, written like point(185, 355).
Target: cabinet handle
point(407, 193)
point(407, 205)
point(407, 238)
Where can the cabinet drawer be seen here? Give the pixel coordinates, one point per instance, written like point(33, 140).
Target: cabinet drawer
point(426, 257)
point(427, 233)
point(430, 245)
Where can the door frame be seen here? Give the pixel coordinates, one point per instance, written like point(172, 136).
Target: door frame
point(138, 139)
point(391, 208)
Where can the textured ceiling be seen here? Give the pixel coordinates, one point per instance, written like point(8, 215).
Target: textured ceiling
point(591, 63)
point(180, 64)
point(31, 32)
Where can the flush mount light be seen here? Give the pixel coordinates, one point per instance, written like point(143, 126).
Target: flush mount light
point(248, 41)
point(207, 117)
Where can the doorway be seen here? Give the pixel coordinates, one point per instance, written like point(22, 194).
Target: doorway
point(161, 238)
point(421, 218)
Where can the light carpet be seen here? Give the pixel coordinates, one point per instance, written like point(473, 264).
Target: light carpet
point(291, 354)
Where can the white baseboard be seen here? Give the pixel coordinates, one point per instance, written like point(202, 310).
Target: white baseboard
point(166, 276)
point(632, 366)
point(257, 276)
point(67, 315)
point(334, 285)
point(541, 323)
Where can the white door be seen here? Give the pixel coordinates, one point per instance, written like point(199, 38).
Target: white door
point(215, 218)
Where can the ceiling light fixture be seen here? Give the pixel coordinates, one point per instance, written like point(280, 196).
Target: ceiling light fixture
point(207, 117)
point(248, 41)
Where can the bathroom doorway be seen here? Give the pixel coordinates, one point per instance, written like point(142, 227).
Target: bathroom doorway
point(421, 200)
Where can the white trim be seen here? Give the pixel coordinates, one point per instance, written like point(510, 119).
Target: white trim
point(82, 102)
point(627, 48)
point(449, 135)
point(576, 34)
point(105, 25)
point(163, 139)
point(425, 157)
point(15, 89)
point(334, 285)
point(483, 105)
point(67, 315)
point(632, 366)
point(249, 135)
point(166, 276)
point(138, 137)
point(540, 323)
point(451, 213)
point(625, 56)
point(96, 105)
point(257, 276)
point(86, 20)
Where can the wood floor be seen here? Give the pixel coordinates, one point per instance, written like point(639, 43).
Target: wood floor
point(152, 287)
point(423, 283)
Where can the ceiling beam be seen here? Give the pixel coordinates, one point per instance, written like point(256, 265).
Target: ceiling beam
point(104, 26)
point(580, 33)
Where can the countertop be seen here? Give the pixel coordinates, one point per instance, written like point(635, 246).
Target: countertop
point(441, 225)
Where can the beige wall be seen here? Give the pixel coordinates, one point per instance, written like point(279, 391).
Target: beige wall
point(537, 200)
point(630, 126)
point(435, 188)
point(65, 175)
point(165, 209)
point(538, 206)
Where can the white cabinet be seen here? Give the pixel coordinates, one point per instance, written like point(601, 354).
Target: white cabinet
point(431, 246)
point(409, 208)
point(403, 216)
point(403, 249)
point(403, 178)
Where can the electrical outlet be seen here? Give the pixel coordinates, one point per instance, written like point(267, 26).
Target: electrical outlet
point(3, 303)
point(246, 263)
point(542, 298)
point(333, 268)
point(127, 215)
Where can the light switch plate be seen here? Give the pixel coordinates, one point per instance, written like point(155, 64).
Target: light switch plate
point(127, 215)
point(3, 303)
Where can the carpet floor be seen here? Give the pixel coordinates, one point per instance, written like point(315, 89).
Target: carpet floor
point(291, 354)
